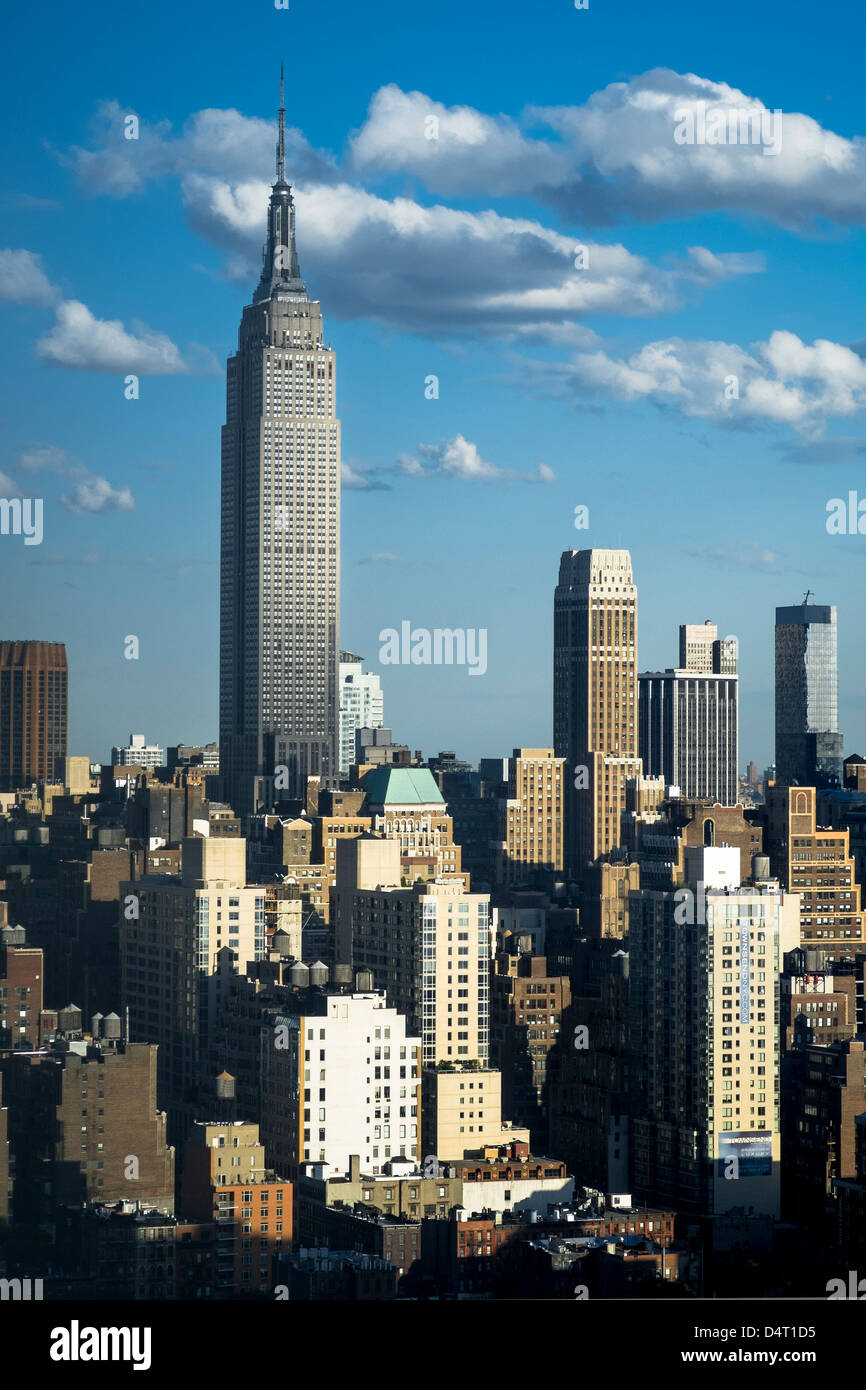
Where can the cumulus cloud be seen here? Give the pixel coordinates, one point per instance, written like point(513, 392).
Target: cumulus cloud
point(444, 271)
point(782, 381)
point(459, 458)
point(453, 149)
point(80, 340)
point(22, 279)
point(616, 156)
point(360, 481)
point(89, 493)
point(94, 494)
point(8, 486)
point(211, 141)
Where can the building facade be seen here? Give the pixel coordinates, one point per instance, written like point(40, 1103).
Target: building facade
point(705, 965)
point(688, 727)
point(595, 697)
point(808, 742)
point(34, 694)
point(362, 706)
point(280, 546)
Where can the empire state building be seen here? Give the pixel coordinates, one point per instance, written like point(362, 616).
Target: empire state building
point(280, 533)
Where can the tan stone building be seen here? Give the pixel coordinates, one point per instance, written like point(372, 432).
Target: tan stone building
point(534, 825)
point(462, 1111)
point(595, 697)
point(818, 865)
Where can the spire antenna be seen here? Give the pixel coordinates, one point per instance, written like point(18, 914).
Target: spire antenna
point(281, 142)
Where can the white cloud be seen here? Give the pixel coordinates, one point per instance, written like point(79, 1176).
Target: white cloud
point(444, 271)
point(782, 380)
point(459, 458)
point(80, 340)
point(460, 150)
point(224, 142)
point(90, 492)
point(615, 156)
point(93, 494)
point(8, 486)
point(44, 458)
point(22, 279)
point(355, 479)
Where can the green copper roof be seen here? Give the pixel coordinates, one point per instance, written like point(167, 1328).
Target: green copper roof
point(401, 786)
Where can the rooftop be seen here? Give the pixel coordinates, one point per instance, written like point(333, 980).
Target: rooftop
point(401, 786)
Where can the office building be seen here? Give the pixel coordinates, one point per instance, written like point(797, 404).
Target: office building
point(138, 753)
point(808, 742)
point(34, 694)
point(280, 547)
point(595, 697)
point(688, 730)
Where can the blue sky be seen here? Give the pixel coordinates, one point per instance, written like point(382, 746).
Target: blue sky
point(557, 385)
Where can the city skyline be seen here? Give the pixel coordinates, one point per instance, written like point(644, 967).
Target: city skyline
point(122, 478)
point(435, 929)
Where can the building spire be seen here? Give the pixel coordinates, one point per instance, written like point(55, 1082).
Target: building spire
point(280, 270)
point(281, 141)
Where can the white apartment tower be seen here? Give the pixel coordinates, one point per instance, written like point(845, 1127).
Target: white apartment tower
point(362, 705)
point(280, 539)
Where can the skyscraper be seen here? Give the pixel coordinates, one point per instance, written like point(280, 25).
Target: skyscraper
point(808, 743)
point(33, 712)
point(688, 717)
point(704, 968)
point(280, 546)
point(595, 696)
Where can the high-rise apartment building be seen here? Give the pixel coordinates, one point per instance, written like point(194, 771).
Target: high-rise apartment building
point(525, 1018)
point(808, 742)
point(595, 697)
point(33, 712)
point(704, 964)
point(688, 717)
point(177, 936)
point(280, 547)
point(362, 706)
point(817, 865)
point(340, 1074)
point(533, 814)
point(429, 946)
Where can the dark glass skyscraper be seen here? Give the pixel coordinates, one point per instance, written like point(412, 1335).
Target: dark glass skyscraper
point(808, 742)
point(280, 539)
